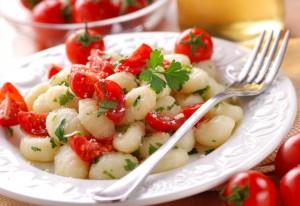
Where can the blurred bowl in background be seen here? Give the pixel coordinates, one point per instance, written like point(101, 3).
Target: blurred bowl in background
point(47, 35)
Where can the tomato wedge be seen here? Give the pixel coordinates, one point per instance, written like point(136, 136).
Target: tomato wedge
point(164, 123)
point(11, 103)
point(189, 111)
point(53, 70)
point(136, 62)
point(99, 61)
point(32, 123)
point(112, 99)
point(89, 149)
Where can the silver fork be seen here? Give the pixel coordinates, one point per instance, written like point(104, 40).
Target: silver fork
point(256, 76)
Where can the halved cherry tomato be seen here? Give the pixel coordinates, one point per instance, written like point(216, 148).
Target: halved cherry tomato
point(110, 91)
point(89, 148)
point(98, 60)
point(11, 104)
point(290, 187)
point(83, 79)
point(288, 156)
point(195, 43)
point(33, 123)
point(30, 4)
point(80, 43)
point(136, 62)
point(250, 188)
point(164, 123)
point(189, 110)
point(53, 70)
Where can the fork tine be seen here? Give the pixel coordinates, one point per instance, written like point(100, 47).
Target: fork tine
point(268, 59)
point(260, 59)
point(278, 60)
point(252, 58)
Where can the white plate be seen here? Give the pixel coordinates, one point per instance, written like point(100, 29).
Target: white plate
point(267, 120)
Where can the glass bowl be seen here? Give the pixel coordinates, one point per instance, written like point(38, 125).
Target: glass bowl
point(47, 35)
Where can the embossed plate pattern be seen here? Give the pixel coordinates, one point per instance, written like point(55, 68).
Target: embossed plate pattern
point(267, 120)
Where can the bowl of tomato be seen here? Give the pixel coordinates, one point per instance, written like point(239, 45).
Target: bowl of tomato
point(48, 22)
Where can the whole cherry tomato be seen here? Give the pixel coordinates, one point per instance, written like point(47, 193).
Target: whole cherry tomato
point(83, 79)
point(88, 149)
point(100, 61)
point(53, 70)
point(288, 156)
point(250, 188)
point(126, 7)
point(136, 62)
point(290, 187)
point(164, 123)
point(33, 123)
point(30, 4)
point(112, 99)
point(11, 103)
point(195, 43)
point(80, 44)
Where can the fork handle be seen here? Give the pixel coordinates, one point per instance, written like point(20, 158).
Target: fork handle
point(121, 189)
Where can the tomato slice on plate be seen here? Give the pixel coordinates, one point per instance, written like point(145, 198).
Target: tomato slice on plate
point(164, 123)
point(33, 123)
point(190, 110)
point(136, 62)
point(89, 149)
point(11, 103)
point(111, 99)
point(99, 61)
point(53, 70)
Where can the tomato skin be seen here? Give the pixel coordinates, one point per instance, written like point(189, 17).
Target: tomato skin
point(202, 52)
point(164, 123)
point(261, 190)
point(49, 11)
point(129, 7)
point(190, 110)
point(30, 4)
point(98, 61)
point(288, 155)
point(290, 187)
point(136, 62)
point(82, 80)
point(89, 148)
point(33, 123)
point(111, 91)
point(78, 50)
point(53, 70)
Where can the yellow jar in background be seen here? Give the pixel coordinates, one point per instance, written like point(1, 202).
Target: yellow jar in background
point(237, 20)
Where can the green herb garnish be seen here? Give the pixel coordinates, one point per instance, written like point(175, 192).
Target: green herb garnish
point(53, 143)
point(106, 105)
point(109, 174)
point(202, 92)
point(130, 165)
point(65, 98)
point(137, 100)
point(35, 149)
point(60, 133)
point(153, 148)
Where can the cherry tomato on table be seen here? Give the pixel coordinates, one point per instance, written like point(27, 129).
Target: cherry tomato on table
point(136, 62)
point(88, 149)
point(250, 188)
point(112, 99)
point(125, 7)
point(288, 156)
point(11, 103)
point(30, 4)
point(195, 43)
point(33, 123)
point(290, 187)
point(53, 70)
point(80, 44)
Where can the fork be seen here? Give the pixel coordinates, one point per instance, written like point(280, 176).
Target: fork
point(256, 76)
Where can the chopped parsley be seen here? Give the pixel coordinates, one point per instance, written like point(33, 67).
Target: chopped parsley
point(137, 100)
point(106, 105)
point(109, 174)
point(53, 143)
point(159, 109)
point(96, 160)
point(171, 106)
point(175, 76)
point(66, 98)
point(35, 149)
point(202, 92)
point(60, 133)
point(10, 131)
point(123, 128)
point(65, 83)
point(130, 165)
point(153, 148)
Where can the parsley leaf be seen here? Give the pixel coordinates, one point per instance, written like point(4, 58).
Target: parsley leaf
point(66, 98)
point(106, 105)
point(109, 174)
point(130, 165)
point(202, 92)
point(156, 59)
point(53, 143)
point(153, 148)
point(35, 149)
point(137, 100)
point(156, 83)
point(60, 133)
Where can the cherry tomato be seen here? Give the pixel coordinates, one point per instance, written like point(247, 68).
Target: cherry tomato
point(89, 149)
point(80, 44)
point(136, 62)
point(195, 43)
point(110, 93)
point(32, 123)
point(189, 110)
point(30, 4)
point(290, 187)
point(288, 156)
point(11, 103)
point(53, 70)
point(82, 80)
point(250, 188)
point(126, 7)
point(164, 123)
point(99, 61)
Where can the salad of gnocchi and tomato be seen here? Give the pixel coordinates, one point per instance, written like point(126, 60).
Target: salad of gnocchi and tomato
point(100, 119)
